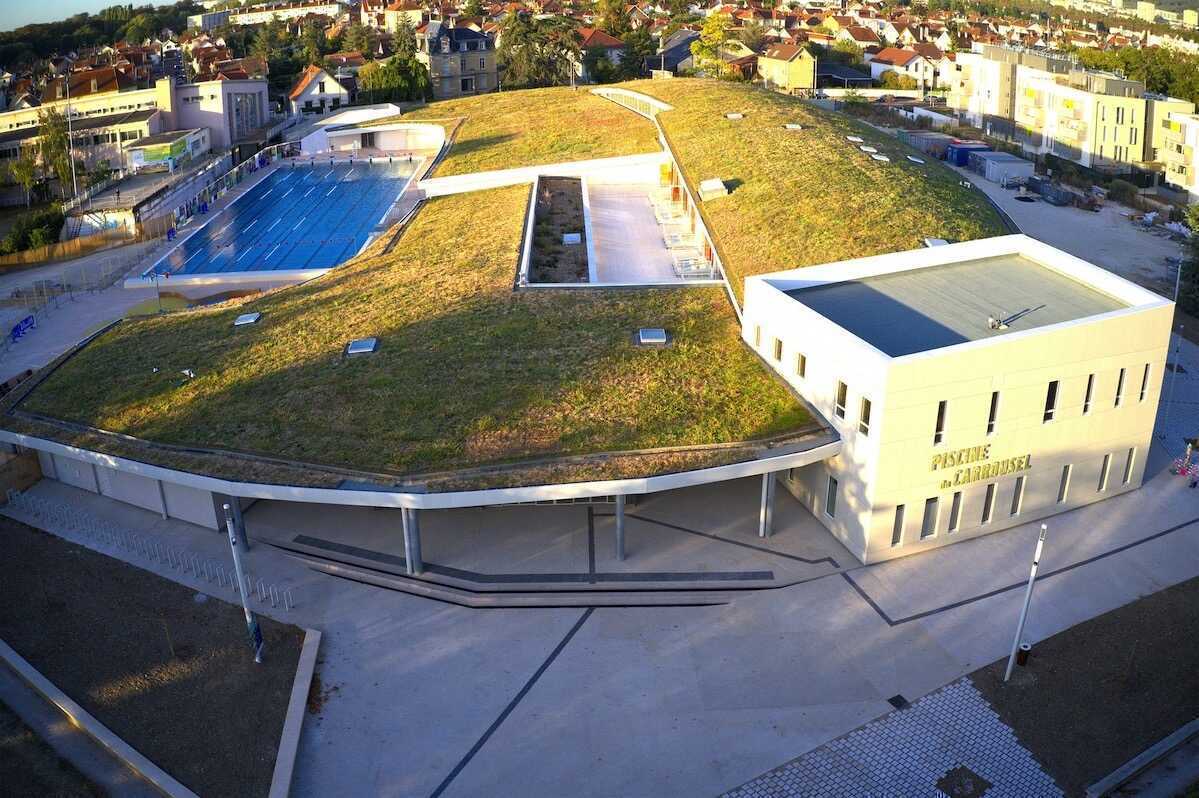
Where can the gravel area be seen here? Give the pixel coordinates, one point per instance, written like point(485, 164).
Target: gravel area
point(1099, 693)
point(30, 767)
point(167, 669)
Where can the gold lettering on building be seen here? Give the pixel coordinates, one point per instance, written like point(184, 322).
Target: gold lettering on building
point(977, 465)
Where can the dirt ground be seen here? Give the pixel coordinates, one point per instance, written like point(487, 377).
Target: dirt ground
point(29, 767)
point(559, 211)
point(167, 669)
point(1098, 694)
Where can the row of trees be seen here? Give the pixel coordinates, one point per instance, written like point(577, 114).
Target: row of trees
point(1163, 71)
point(536, 52)
point(23, 47)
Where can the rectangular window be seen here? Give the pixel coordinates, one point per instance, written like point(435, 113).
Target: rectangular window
point(1063, 487)
point(1128, 464)
point(1018, 496)
point(482, 63)
point(842, 395)
point(897, 527)
point(1050, 402)
point(928, 526)
point(1086, 401)
point(1120, 389)
point(939, 431)
point(830, 500)
point(864, 417)
point(1144, 383)
point(801, 365)
point(757, 335)
point(955, 512)
point(1103, 472)
point(993, 415)
point(778, 349)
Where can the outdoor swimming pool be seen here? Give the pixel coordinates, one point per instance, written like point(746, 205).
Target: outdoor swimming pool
point(301, 216)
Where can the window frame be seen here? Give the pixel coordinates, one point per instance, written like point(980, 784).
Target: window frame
point(1051, 394)
point(955, 513)
point(897, 526)
point(1017, 497)
point(939, 427)
point(1105, 472)
point(864, 408)
point(1089, 395)
point(1063, 485)
point(927, 529)
point(840, 399)
point(993, 413)
point(1119, 389)
point(830, 496)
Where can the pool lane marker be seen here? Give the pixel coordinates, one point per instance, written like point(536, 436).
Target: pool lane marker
point(309, 191)
point(272, 227)
point(297, 227)
point(251, 224)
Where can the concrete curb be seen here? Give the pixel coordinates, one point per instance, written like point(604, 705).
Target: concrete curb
point(1142, 760)
point(82, 719)
point(289, 740)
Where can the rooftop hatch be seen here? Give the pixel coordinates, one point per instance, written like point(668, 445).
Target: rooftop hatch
point(651, 336)
point(362, 346)
point(246, 318)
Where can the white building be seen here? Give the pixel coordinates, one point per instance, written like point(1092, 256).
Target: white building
point(317, 92)
point(975, 386)
point(264, 13)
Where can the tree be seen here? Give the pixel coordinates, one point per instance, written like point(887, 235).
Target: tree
point(753, 36)
point(599, 68)
point(24, 172)
point(612, 19)
point(313, 42)
point(140, 28)
point(846, 52)
point(404, 41)
point(473, 8)
point(1188, 286)
point(396, 79)
point(638, 48)
point(358, 39)
point(270, 39)
point(706, 49)
point(678, 9)
point(56, 146)
point(537, 52)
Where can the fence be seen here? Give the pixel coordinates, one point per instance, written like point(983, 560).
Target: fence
point(67, 250)
point(101, 534)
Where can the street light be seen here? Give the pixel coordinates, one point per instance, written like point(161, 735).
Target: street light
point(251, 624)
point(71, 138)
point(1032, 578)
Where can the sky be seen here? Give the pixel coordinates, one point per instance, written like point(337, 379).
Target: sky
point(15, 13)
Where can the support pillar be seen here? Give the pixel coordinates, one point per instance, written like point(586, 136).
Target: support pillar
point(766, 513)
point(412, 541)
point(619, 527)
point(162, 499)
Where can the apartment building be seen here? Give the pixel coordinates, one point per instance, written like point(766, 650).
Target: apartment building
point(1051, 106)
point(461, 61)
point(261, 14)
point(1180, 141)
point(975, 387)
point(234, 112)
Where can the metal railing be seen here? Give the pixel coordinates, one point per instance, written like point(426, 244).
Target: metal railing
point(101, 534)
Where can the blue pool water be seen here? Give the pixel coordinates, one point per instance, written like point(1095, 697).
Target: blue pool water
point(299, 217)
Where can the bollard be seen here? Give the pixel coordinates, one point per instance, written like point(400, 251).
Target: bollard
point(1022, 654)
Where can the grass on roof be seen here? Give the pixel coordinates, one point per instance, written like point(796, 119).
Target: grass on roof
point(539, 126)
point(468, 372)
point(805, 197)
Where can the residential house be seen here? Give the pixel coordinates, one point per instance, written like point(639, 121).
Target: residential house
point(596, 40)
point(788, 68)
point(317, 92)
point(908, 63)
point(461, 61)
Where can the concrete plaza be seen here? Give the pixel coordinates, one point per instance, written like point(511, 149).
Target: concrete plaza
point(427, 698)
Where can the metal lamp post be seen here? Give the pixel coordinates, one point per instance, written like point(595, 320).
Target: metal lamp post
point(251, 624)
point(1032, 578)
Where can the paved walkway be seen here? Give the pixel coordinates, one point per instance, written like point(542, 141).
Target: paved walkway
point(69, 742)
point(945, 742)
point(628, 241)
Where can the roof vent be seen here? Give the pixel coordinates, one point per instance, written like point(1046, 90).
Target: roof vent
point(651, 336)
point(882, 158)
point(712, 188)
point(734, 116)
point(792, 126)
point(246, 318)
point(914, 159)
point(854, 139)
point(996, 324)
point(362, 346)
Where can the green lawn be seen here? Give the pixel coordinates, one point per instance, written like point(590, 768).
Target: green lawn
point(540, 126)
point(805, 197)
point(468, 373)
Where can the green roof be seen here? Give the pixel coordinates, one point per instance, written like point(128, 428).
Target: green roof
point(804, 197)
point(468, 372)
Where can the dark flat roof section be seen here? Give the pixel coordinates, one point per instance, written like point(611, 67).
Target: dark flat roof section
point(923, 309)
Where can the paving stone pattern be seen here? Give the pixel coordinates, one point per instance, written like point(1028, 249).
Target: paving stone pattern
point(906, 753)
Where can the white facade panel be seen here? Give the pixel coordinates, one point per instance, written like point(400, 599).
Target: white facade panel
point(190, 504)
point(74, 472)
point(130, 488)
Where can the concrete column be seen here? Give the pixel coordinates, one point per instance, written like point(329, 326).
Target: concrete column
point(162, 499)
point(766, 513)
point(412, 541)
point(620, 527)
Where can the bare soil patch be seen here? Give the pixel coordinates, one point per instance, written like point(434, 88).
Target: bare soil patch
point(173, 676)
point(559, 211)
point(1096, 695)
